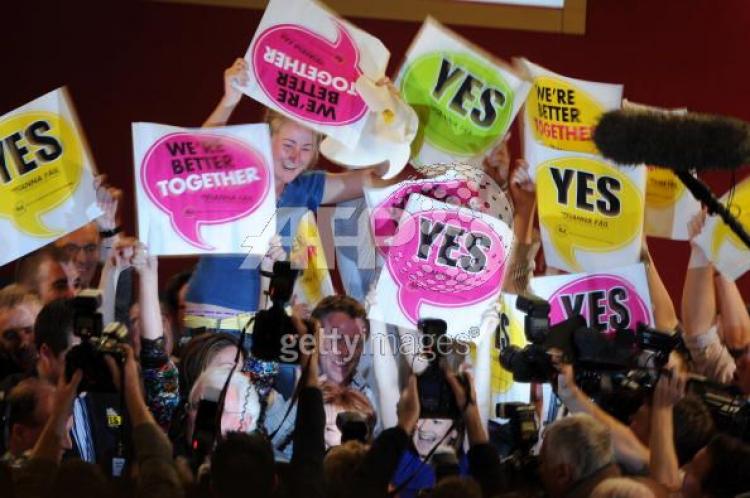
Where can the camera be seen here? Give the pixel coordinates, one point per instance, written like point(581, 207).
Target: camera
point(522, 422)
point(533, 362)
point(536, 322)
point(618, 370)
point(204, 431)
point(436, 397)
point(728, 406)
point(271, 325)
point(516, 440)
point(97, 341)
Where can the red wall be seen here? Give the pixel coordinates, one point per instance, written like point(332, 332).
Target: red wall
point(126, 61)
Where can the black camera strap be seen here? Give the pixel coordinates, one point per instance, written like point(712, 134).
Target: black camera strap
point(292, 403)
point(223, 394)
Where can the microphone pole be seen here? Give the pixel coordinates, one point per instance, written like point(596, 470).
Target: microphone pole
point(704, 195)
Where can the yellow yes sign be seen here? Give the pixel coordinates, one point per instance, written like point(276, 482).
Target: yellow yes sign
point(720, 244)
point(589, 207)
point(41, 160)
point(561, 115)
point(740, 209)
point(46, 178)
point(562, 112)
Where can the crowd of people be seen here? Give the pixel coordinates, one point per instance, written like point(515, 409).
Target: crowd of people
point(186, 404)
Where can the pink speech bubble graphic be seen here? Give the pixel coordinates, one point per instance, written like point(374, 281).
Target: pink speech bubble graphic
point(446, 257)
point(307, 75)
point(202, 179)
point(386, 215)
point(606, 301)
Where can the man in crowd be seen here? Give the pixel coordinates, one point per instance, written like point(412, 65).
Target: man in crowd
point(29, 406)
point(94, 435)
point(18, 310)
point(42, 272)
point(577, 454)
point(80, 252)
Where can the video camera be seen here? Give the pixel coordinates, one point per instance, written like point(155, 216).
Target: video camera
point(585, 347)
point(97, 341)
point(517, 439)
point(729, 407)
point(618, 370)
point(271, 325)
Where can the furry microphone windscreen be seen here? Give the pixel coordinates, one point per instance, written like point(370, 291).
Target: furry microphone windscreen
point(677, 141)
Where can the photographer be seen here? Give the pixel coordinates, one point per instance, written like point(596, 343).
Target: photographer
point(94, 433)
point(19, 308)
point(345, 401)
point(577, 454)
point(718, 470)
point(157, 476)
point(380, 464)
point(29, 406)
point(242, 459)
point(691, 416)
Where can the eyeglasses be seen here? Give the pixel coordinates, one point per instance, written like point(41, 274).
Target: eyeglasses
point(71, 250)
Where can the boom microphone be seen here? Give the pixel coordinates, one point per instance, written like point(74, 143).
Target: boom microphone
point(680, 142)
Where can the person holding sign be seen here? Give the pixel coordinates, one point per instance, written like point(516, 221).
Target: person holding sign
point(223, 287)
point(718, 337)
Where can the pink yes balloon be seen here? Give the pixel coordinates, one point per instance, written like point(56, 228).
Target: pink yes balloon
point(385, 217)
point(446, 257)
point(309, 76)
point(602, 297)
point(202, 179)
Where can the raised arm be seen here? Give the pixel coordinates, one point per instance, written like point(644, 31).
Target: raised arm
point(733, 315)
point(664, 465)
point(109, 223)
point(152, 326)
point(629, 450)
point(236, 73)
point(665, 316)
point(159, 372)
point(698, 293)
point(157, 473)
point(484, 460)
point(309, 443)
point(521, 265)
point(384, 364)
point(710, 356)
